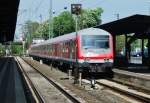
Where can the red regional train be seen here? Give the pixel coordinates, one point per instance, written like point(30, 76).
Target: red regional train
point(90, 50)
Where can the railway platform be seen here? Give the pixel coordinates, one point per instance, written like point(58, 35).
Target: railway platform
point(137, 77)
point(11, 87)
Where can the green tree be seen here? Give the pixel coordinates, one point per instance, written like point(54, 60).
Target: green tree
point(29, 29)
point(120, 43)
point(65, 22)
point(43, 30)
point(62, 24)
point(90, 18)
point(16, 49)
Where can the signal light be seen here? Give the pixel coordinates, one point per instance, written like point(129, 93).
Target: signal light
point(76, 9)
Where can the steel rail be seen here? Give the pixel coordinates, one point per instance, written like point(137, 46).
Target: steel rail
point(138, 88)
point(59, 87)
point(127, 93)
point(35, 93)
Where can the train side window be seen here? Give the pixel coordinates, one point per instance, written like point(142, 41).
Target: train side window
point(63, 47)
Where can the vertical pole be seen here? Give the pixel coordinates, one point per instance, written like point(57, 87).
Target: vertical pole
point(80, 78)
point(117, 15)
point(149, 9)
point(5, 51)
point(76, 25)
point(50, 21)
point(69, 74)
point(30, 37)
point(10, 49)
point(41, 23)
point(129, 49)
point(149, 52)
point(142, 51)
point(57, 67)
point(51, 66)
point(76, 70)
point(92, 82)
point(114, 50)
point(76, 39)
point(41, 62)
point(40, 18)
point(23, 44)
point(29, 32)
point(126, 51)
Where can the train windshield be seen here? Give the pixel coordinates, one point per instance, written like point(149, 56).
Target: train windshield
point(95, 41)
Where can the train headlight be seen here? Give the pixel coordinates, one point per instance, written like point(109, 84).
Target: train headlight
point(106, 60)
point(86, 60)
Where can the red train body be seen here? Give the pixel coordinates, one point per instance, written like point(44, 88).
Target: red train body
point(92, 46)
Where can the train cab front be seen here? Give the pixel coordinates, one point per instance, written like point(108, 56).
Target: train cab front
point(101, 67)
point(96, 53)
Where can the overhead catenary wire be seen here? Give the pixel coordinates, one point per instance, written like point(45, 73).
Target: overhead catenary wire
point(38, 6)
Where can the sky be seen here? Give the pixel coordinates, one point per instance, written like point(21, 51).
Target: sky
point(38, 10)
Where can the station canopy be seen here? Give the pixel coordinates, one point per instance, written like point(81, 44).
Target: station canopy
point(132, 24)
point(8, 18)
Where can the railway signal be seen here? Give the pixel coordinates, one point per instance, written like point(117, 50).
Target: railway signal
point(76, 9)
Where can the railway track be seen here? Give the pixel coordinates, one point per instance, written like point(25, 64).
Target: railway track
point(36, 95)
point(125, 90)
point(72, 98)
point(139, 80)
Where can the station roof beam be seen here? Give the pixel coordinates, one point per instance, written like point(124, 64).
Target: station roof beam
point(8, 18)
point(139, 25)
point(132, 24)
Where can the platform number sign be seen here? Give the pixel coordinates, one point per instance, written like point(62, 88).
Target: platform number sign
point(76, 9)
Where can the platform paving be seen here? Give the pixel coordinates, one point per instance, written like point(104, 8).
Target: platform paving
point(11, 88)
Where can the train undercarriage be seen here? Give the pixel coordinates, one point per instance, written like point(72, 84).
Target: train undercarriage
point(96, 70)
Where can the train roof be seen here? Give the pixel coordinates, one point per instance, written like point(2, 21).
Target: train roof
point(93, 31)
